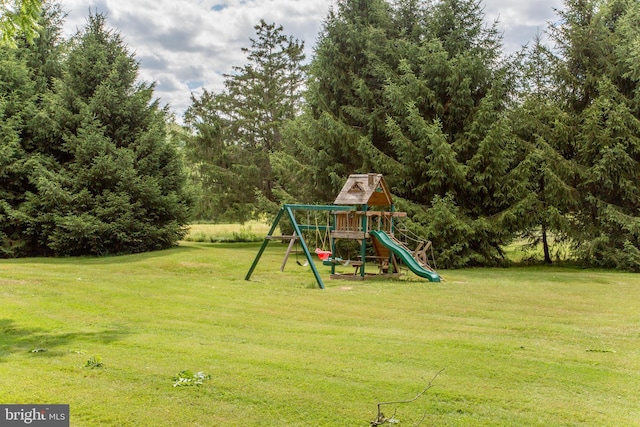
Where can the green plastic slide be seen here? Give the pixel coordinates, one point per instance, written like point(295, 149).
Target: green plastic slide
point(405, 256)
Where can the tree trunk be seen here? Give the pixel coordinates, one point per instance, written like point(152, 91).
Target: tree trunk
point(545, 246)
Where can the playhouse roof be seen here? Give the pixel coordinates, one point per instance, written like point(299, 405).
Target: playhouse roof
point(365, 189)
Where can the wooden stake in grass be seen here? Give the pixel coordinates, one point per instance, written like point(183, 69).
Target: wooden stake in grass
point(381, 419)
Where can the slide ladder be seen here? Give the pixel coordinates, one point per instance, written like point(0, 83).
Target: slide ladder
point(406, 256)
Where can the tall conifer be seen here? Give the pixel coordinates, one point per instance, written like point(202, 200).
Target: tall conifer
point(240, 129)
point(546, 195)
point(113, 183)
point(17, 94)
point(347, 76)
point(598, 40)
point(29, 68)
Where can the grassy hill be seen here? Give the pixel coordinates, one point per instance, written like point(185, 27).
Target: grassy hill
point(111, 336)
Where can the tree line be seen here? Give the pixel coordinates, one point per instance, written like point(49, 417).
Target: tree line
point(480, 148)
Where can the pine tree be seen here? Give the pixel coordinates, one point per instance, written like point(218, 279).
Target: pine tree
point(416, 91)
point(226, 194)
point(545, 178)
point(262, 95)
point(244, 123)
point(17, 92)
point(345, 118)
point(28, 72)
point(598, 41)
point(113, 183)
point(447, 123)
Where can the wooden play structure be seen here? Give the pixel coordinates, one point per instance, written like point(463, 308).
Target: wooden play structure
point(364, 212)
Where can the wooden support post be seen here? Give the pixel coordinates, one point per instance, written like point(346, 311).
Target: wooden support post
point(292, 241)
point(363, 245)
point(333, 253)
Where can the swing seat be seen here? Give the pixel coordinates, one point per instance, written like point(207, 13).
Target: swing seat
point(323, 255)
point(332, 261)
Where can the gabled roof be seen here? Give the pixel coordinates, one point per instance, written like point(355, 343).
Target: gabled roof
point(365, 189)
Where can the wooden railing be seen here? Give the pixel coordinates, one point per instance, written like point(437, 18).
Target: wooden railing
point(352, 225)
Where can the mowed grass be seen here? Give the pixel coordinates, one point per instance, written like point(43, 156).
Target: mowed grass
point(251, 231)
point(528, 346)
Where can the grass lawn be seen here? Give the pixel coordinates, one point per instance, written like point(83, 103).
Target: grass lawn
point(251, 231)
point(530, 346)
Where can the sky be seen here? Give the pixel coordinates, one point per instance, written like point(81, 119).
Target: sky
point(187, 45)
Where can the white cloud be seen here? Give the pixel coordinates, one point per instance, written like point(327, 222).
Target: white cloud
point(520, 21)
point(185, 45)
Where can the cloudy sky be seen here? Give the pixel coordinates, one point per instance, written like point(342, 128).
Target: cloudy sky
point(185, 45)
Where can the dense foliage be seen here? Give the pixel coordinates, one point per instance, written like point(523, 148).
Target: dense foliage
point(87, 167)
point(599, 83)
point(417, 92)
point(478, 147)
point(18, 18)
point(233, 134)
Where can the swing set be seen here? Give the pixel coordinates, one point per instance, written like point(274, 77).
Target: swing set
point(298, 236)
point(362, 212)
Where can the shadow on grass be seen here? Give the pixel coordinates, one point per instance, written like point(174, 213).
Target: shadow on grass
point(107, 259)
point(39, 341)
point(124, 259)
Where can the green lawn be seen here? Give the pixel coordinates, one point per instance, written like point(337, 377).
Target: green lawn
point(528, 346)
point(252, 231)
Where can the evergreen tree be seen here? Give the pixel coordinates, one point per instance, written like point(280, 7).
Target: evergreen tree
point(345, 120)
point(18, 17)
point(241, 128)
point(112, 183)
point(598, 41)
point(448, 97)
point(226, 195)
point(27, 74)
point(16, 106)
point(545, 178)
point(44, 54)
point(417, 91)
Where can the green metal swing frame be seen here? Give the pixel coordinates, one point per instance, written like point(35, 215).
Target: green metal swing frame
point(289, 209)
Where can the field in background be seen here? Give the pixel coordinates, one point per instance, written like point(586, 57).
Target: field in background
point(252, 231)
point(112, 337)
